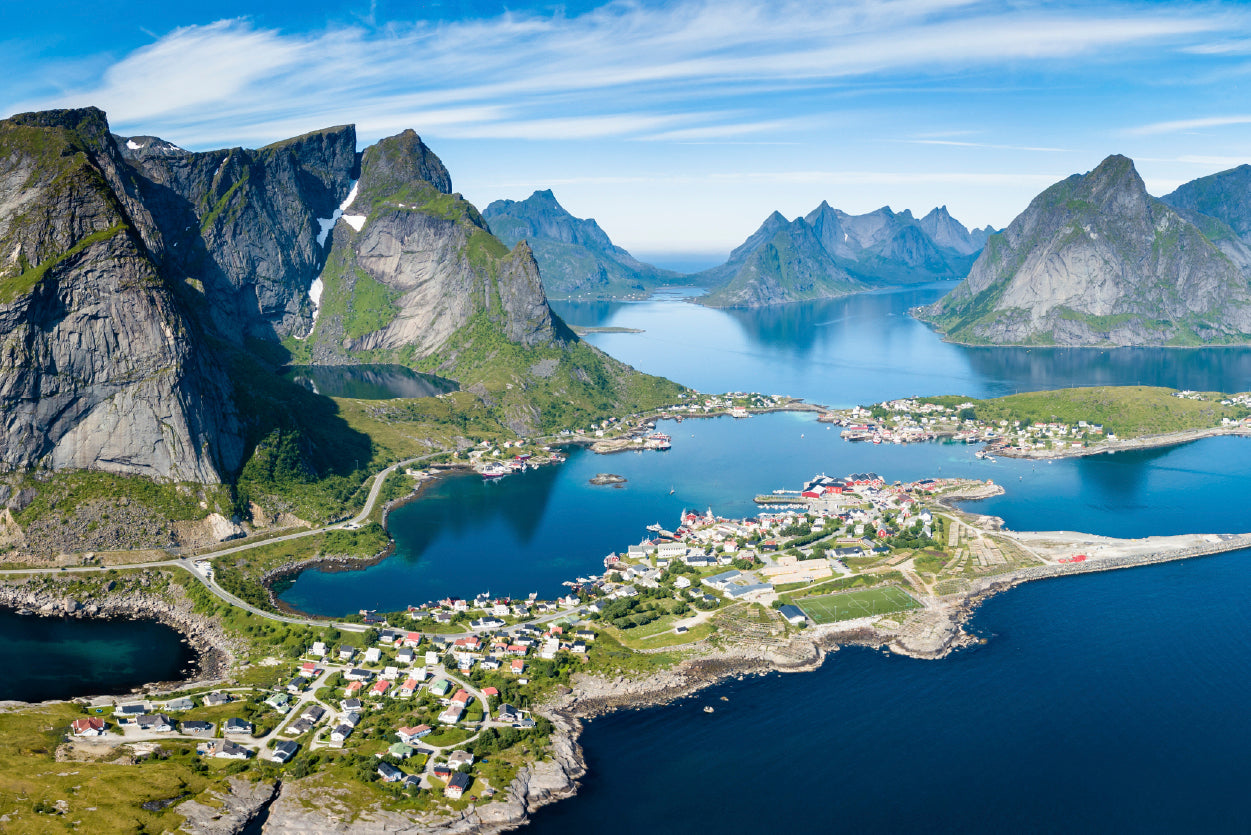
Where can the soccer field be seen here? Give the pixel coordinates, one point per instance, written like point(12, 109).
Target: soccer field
point(847, 605)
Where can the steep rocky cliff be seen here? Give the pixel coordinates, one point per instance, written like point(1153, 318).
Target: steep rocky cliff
point(1095, 260)
point(99, 365)
point(241, 225)
point(413, 263)
point(1220, 206)
point(576, 257)
point(148, 295)
point(829, 253)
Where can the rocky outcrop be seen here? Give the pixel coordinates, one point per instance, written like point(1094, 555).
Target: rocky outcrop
point(1095, 260)
point(236, 808)
point(576, 257)
point(829, 253)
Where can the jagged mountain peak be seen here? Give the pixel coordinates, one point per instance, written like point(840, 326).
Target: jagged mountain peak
point(575, 255)
point(401, 161)
point(1224, 196)
point(1095, 260)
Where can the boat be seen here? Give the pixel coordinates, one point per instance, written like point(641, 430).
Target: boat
point(708, 709)
point(495, 471)
point(671, 491)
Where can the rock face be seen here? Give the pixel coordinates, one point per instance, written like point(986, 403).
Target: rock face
point(238, 807)
point(414, 263)
point(1220, 206)
point(1095, 260)
point(829, 253)
point(144, 289)
point(575, 256)
point(100, 366)
point(244, 225)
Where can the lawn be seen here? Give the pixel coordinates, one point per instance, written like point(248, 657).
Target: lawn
point(857, 604)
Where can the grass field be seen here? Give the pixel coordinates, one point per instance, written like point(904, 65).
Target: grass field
point(857, 604)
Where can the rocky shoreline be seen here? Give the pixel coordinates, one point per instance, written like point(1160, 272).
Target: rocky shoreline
point(1184, 436)
point(215, 650)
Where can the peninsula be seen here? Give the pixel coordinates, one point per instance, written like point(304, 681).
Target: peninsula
point(464, 712)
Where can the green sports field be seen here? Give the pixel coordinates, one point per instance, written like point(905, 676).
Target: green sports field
point(848, 605)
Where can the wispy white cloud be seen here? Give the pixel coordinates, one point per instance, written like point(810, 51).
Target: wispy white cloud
point(987, 145)
point(624, 69)
point(1186, 125)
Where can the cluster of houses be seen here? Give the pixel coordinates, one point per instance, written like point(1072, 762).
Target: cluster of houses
point(914, 420)
point(144, 718)
point(861, 506)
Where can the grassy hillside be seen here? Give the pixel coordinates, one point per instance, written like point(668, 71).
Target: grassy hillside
point(1127, 411)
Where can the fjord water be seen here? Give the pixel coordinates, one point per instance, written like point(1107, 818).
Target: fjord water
point(61, 658)
point(1110, 702)
point(1100, 702)
point(530, 531)
point(866, 348)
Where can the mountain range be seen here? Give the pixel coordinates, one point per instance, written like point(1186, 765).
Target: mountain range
point(829, 253)
point(149, 296)
point(575, 256)
point(1096, 260)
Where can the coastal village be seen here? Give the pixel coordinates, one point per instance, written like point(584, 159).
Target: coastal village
point(428, 700)
point(913, 420)
point(436, 709)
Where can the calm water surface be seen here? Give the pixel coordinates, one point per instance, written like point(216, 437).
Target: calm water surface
point(529, 532)
point(61, 658)
point(368, 382)
point(865, 348)
point(1104, 702)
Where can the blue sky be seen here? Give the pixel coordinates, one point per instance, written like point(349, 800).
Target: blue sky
point(679, 126)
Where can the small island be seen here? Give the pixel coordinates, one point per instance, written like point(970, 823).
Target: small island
point(608, 478)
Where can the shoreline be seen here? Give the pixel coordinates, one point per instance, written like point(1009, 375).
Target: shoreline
point(592, 696)
point(1163, 439)
point(335, 564)
point(215, 653)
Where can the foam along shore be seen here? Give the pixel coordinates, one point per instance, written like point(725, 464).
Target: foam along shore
point(1163, 439)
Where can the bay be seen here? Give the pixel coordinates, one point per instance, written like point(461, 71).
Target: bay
point(62, 658)
point(528, 532)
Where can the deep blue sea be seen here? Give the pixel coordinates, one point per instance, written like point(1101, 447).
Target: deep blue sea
point(1111, 702)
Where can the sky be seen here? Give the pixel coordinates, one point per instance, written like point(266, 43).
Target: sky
point(679, 126)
